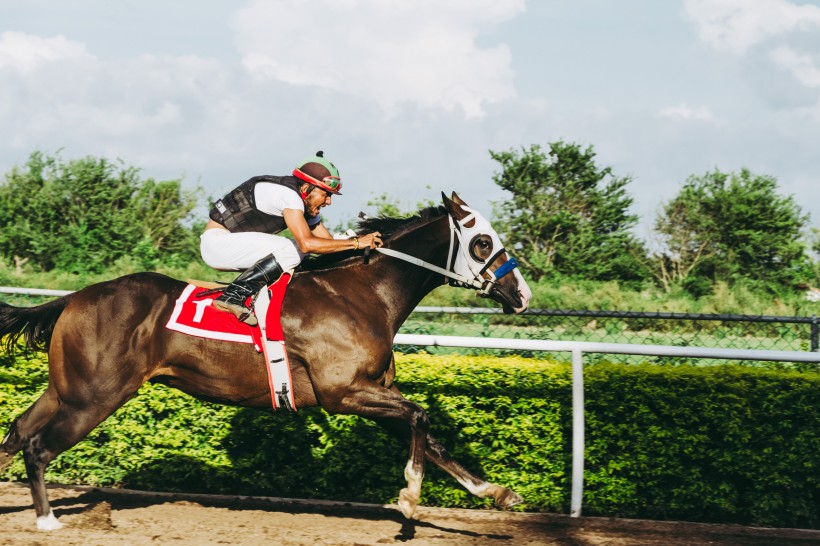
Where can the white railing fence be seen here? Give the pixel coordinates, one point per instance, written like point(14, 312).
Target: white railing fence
point(33, 291)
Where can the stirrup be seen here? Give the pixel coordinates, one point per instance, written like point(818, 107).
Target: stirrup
point(246, 315)
point(249, 318)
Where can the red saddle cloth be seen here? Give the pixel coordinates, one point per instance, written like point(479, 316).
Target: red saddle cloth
point(195, 316)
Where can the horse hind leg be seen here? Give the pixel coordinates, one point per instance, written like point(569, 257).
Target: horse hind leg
point(69, 424)
point(26, 425)
point(24, 432)
point(36, 459)
point(66, 428)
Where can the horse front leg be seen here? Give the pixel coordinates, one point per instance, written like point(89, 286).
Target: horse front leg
point(414, 471)
point(378, 403)
point(438, 455)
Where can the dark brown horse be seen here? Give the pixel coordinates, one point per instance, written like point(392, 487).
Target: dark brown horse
point(339, 317)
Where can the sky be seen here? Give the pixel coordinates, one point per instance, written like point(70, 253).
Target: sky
point(407, 97)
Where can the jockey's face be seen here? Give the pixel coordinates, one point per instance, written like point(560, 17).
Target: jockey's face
point(316, 200)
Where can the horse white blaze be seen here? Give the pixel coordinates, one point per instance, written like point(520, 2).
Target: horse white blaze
point(49, 522)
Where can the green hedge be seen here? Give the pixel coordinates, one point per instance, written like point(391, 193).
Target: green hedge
point(720, 444)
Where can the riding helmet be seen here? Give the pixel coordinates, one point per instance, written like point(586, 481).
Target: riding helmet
point(319, 172)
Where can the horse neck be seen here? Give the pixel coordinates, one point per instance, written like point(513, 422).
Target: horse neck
point(409, 283)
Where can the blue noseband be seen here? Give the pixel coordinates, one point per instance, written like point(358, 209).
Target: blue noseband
point(508, 266)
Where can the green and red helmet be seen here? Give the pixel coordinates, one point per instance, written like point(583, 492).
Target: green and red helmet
point(319, 172)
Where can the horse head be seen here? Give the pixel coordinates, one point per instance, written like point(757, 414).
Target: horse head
point(481, 257)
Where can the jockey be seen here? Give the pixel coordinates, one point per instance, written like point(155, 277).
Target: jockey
point(241, 231)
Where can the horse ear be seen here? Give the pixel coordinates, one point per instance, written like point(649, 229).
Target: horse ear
point(453, 206)
point(459, 200)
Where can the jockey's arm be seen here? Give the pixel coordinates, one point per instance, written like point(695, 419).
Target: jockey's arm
point(320, 230)
point(319, 240)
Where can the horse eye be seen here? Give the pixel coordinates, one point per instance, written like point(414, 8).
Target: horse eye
point(481, 247)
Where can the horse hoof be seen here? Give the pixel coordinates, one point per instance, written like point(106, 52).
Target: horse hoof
point(507, 499)
point(49, 522)
point(407, 504)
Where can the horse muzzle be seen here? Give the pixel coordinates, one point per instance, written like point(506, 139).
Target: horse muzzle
point(513, 294)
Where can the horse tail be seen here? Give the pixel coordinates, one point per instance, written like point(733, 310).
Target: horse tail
point(34, 324)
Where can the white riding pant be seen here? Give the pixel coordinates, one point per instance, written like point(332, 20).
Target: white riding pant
point(228, 251)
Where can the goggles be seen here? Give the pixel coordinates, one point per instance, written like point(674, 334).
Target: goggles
point(332, 184)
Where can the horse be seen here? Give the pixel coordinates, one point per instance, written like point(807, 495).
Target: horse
point(340, 315)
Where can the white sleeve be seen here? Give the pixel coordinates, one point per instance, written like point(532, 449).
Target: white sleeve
point(273, 199)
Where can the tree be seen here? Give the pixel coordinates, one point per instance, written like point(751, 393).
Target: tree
point(82, 215)
point(388, 206)
point(732, 227)
point(567, 215)
point(686, 249)
point(814, 244)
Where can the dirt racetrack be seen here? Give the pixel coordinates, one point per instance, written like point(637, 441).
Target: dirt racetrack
point(107, 517)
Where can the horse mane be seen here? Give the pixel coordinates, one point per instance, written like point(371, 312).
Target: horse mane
point(389, 227)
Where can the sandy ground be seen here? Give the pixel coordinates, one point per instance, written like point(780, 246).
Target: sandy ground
point(107, 517)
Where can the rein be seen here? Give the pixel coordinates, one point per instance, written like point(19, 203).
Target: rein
point(478, 282)
point(474, 283)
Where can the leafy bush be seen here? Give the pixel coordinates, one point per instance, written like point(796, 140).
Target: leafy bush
point(80, 216)
point(715, 444)
point(718, 444)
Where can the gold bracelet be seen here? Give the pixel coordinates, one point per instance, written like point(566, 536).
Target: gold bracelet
point(357, 243)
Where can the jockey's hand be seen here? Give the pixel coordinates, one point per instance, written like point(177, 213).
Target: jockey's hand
point(371, 240)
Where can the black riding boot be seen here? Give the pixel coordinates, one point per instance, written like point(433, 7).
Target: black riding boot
point(262, 273)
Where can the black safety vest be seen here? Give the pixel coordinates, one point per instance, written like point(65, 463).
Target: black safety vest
point(237, 210)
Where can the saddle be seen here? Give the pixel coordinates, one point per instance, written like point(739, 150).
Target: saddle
point(194, 315)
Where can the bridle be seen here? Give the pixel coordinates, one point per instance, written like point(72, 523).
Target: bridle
point(478, 281)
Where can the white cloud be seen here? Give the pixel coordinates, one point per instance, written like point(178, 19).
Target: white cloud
point(801, 66)
point(685, 112)
point(737, 25)
point(105, 97)
point(26, 52)
point(422, 52)
point(57, 95)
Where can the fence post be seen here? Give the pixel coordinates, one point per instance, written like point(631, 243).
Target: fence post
point(577, 433)
point(814, 334)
